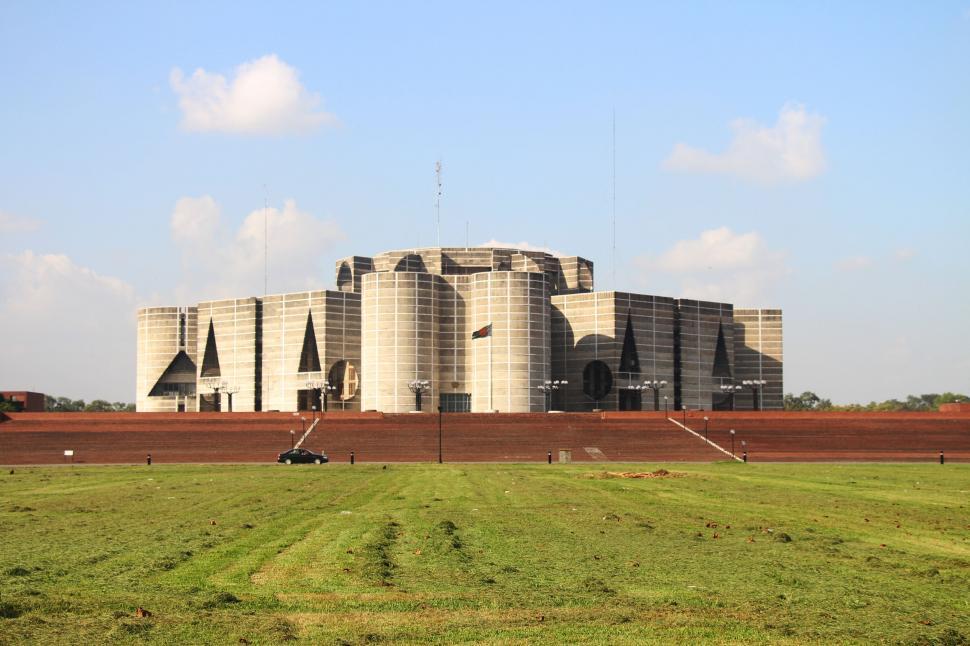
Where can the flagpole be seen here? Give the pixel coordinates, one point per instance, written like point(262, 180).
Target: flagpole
point(491, 338)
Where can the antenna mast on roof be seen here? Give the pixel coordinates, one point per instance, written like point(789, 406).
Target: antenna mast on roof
point(265, 242)
point(614, 199)
point(437, 201)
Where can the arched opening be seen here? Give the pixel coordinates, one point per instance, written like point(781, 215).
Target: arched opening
point(345, 278)
point(597, 380)
point(344, 379)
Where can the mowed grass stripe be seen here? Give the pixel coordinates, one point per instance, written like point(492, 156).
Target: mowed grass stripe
point(503, 553)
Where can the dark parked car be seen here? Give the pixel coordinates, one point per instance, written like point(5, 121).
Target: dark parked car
point(302, 456)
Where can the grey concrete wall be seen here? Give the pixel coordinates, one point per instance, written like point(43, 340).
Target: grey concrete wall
point(284, 326)
point(158, 341)
point(349, 272)
point(235, 324)
point(453, 295)
point(592, 326)
point(399, 325)
point(341, 341)
point(697, 324)
point(759, 353)
point(508, 365)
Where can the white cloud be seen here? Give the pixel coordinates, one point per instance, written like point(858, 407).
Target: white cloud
point(10, 223)
point(720, 265)
point(65, 320)
point(220, 263)
point(195, 220)
point(524, 246)
point(789, 150)
point(265, 97)
point(854, 263)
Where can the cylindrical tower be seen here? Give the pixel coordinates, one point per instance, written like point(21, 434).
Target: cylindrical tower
point(399, 323)
point(166, 353)
point(508, 364)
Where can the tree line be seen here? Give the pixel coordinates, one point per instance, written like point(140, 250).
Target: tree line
point(68, 405)
point(927, 402)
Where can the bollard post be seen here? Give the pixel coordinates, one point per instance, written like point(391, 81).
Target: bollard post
point(941, 457)
point(549, 457)
point(351, 457)
point(148, 460)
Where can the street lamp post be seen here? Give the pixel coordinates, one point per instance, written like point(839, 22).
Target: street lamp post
point(683, 407)
point(637, 388)
point(418, 387)
point(215, 385)
point(439, 434)
point(302, 422)
point(313, 412)
point(656, 387)
point(744, 450)
point(292, 438)
point(706, 420)
point(548, 387)
point(665, 405)
point(230, 391)
point(755, 385)
point(730, 390)
point(323, 387)
point(732, 443)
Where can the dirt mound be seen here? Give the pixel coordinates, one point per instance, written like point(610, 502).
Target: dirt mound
point(659, 473)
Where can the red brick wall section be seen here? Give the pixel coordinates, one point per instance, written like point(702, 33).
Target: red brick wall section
point(955, 408)
point(42, 438)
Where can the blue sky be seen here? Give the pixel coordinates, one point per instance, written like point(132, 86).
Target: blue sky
point(814, 157)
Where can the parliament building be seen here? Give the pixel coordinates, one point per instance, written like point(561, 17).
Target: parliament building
point(468, 329)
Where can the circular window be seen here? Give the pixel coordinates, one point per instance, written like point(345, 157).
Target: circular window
point(597, 380)
point(345, 380)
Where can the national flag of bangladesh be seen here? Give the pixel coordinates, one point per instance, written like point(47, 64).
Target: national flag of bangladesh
point(483, 332)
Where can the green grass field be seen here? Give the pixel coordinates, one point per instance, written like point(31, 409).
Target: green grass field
point(485, 552)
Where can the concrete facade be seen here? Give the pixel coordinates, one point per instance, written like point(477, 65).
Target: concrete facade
point(589, 327)
point(479, 328)
point(166, 337)
point(759, 353)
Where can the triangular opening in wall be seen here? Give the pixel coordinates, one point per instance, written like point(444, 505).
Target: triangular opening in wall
point(309, 356)
point(722, 365)
point(210, 359)
point(629, 360)
point(176, 378)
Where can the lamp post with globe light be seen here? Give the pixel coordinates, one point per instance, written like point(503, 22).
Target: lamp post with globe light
point(215, 384)
point(230, 390)
point(730, 390)
point(755, 385)
point(656, 387)
point(418, 387)
point(322, 387)
point(548, 387)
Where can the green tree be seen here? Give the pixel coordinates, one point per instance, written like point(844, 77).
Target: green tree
point(806, 401)
point(950, 398)
point(98, 406)
point(8, 406)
